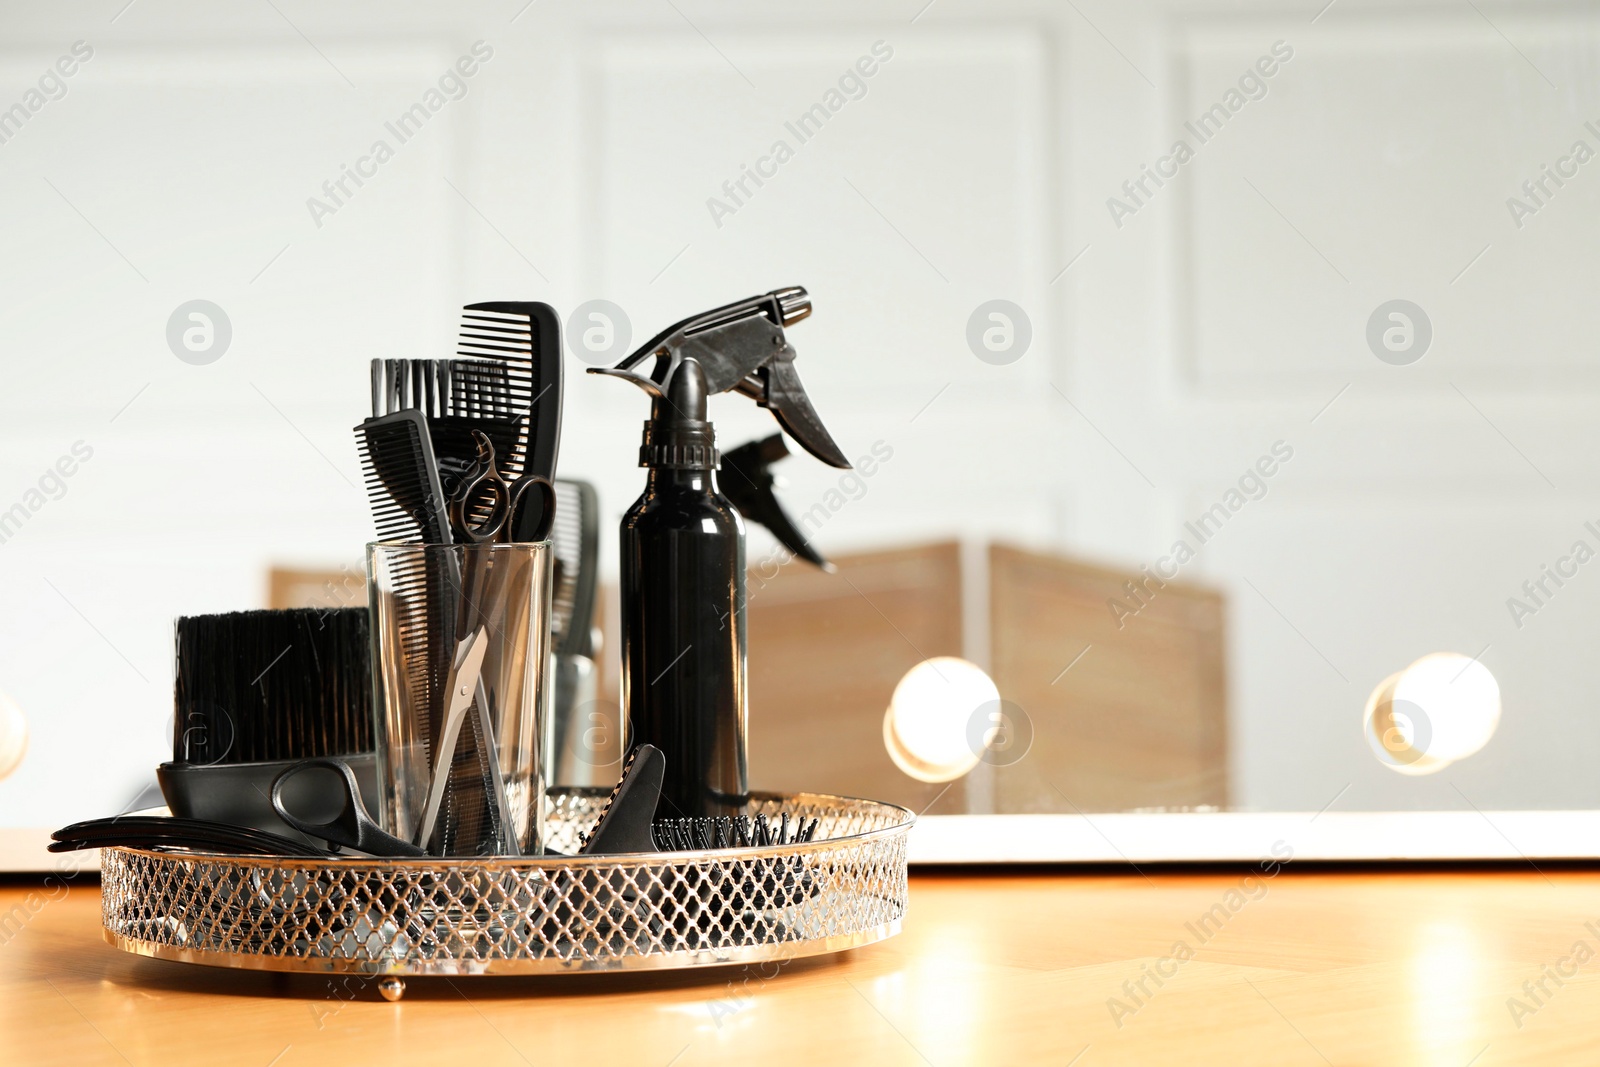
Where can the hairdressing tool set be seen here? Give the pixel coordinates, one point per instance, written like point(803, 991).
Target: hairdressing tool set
point(371, 783)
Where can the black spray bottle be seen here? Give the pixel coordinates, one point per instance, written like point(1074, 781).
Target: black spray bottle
point(683, 561)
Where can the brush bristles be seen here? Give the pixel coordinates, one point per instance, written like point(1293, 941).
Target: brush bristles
point(695, 835)
point(272, 685)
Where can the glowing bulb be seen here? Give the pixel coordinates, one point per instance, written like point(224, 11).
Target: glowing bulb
point(13, 735)
point(1459, 696)
point(1442, 708)
point(926, 727)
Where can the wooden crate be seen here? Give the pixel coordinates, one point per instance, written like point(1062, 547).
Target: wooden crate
point(1140, 721)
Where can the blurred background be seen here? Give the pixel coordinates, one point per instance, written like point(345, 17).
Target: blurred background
point(1305, 289)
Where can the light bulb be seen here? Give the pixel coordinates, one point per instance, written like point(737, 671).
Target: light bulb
point(1442, 708)
point(926, 728)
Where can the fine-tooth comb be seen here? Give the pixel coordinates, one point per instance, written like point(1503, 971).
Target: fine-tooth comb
point(409, 506)
point(408, 503)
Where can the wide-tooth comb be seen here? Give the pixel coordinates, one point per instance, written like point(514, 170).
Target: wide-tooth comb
point(477, 388)
point(524, 337)
point(575, 539)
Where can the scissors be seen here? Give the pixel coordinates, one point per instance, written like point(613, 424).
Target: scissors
point(463, 684)
point(505, 500)
point(332, 810)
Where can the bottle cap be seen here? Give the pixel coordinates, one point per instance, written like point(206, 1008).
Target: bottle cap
point(678, 436)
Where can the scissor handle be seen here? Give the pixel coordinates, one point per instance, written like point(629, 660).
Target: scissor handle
point(506, 501)
point(487, 481)
point(336, 815)
point(547, 511)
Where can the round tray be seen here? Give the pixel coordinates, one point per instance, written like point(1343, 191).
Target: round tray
point(551, 914)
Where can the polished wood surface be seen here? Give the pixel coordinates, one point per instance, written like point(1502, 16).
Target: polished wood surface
point(1308, 967)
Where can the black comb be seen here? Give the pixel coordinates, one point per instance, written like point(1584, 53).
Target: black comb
point(455, 397)
point(408, 503)
point(160, 833)
point(470, 387)
point(575, 539)
point(409, 506)
point(524, 338)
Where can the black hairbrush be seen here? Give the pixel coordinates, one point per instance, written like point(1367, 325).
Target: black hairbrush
point(614, 899)
point(257, 691)
point(731, 831)
point(627, 822)
point(271, 685)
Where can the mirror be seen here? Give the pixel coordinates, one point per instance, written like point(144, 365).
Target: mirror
point(1220, 381)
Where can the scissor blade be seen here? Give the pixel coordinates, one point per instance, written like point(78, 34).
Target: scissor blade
point(464, 675)
point(463, 686)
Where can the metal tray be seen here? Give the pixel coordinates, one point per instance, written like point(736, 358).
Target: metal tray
point(543, 915)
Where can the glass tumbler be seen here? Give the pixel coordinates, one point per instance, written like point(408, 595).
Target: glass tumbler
point(461, 644)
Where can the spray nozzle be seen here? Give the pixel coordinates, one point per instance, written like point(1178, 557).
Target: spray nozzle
point(740, 346)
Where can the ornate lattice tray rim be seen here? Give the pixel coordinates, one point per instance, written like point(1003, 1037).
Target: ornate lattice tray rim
point(534, 915)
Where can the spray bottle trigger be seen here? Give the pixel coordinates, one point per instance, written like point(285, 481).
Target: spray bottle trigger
point(745, 478)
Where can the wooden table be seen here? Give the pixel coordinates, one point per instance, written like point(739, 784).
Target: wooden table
point(1431, 967)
